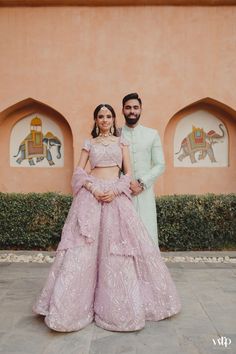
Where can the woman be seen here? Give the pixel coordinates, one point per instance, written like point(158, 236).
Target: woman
point(107, 268)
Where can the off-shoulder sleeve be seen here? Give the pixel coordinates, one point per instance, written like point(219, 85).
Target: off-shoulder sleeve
point(123, 142)
point(86, 145)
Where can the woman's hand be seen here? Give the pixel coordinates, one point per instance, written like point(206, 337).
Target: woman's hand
point(107, 197)
point(98, 195)
point(95, 192)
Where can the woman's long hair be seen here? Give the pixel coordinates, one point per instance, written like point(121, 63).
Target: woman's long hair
point(95, 113)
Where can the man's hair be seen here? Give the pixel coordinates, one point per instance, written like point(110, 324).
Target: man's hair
point(132, 96)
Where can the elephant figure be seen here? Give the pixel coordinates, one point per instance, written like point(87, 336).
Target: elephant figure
point(199, 141)
point(38, 148)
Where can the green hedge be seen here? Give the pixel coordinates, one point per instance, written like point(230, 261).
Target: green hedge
point(32, 221)
point(193, 222)
point(186, 222)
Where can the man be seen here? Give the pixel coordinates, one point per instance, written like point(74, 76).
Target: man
point(147, 161)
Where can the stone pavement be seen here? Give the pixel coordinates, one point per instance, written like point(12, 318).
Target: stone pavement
point(208, 295)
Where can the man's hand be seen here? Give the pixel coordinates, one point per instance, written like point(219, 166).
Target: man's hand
point(135, 188)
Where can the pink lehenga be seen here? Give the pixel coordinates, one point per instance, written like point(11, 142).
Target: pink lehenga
point(106, 268)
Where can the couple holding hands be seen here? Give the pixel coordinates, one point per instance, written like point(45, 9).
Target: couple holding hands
point(108, 267)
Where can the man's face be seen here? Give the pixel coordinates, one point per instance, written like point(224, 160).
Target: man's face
point(132, 111)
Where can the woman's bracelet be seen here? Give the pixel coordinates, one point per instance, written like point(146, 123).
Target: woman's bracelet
point(93, 189)
point(90, 187)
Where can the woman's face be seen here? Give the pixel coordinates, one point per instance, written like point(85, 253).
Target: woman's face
point(104, 120)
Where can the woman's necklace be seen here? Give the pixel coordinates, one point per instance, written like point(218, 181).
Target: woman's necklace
point(106, 138)
point(105, 134)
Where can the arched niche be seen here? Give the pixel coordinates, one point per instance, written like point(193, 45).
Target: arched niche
point(199, 141)
point(37, 149)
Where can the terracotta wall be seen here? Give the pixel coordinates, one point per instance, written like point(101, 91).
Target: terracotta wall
point(73, 58)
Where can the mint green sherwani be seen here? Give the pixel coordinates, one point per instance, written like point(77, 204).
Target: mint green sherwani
point(148, 163)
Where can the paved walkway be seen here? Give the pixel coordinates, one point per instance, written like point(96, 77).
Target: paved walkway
point(208, 295)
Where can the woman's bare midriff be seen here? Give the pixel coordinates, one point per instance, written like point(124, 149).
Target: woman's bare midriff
point(105, 172)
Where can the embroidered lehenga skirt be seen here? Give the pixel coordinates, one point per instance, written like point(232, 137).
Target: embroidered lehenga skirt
point(106, 269)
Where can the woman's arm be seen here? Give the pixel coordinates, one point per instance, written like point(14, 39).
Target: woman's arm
point(80, 176)
point(126, 160)
point(84, 156)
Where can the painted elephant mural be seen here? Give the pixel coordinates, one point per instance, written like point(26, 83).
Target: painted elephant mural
point(37, 146)
point(199, 141)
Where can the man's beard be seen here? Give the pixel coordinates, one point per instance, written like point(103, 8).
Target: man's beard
point(132, 121)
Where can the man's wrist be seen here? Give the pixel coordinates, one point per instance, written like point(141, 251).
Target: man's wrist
point(141, 184)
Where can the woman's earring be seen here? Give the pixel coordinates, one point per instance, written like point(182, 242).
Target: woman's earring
point(112, 130)
point(97, 130)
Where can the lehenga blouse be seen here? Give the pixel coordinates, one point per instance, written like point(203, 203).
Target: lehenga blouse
point(105, 155)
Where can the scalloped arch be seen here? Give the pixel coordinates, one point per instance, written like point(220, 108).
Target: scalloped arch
point(30, 104)
point(208, 102)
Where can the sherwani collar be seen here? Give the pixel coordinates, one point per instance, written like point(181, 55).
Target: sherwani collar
point(135, 129)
